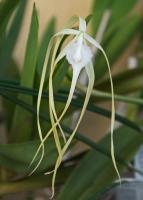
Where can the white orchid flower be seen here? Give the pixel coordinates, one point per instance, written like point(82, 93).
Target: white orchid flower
point(78, 53)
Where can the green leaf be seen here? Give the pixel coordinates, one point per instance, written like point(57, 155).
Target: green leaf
point(34, 182)
point(98, 9)
point(17, 157)
point(120, 9)
point(6, 10)
point(95, 170)
point(42, 49)
point(118, 12)
point(23, 117)
point(99, 96)
point(6, 7)
point(78, 136)
point(8, 107)
point(119, 31)
point(62, 99)
point(59, 81)
point(59, 75)
point(124, 82)
point(117, 43)
point(11, 38)
point(48, 33)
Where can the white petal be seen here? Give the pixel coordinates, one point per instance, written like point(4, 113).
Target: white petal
point(64, 51)
point(82, 24)
point(92, 41)
point(67, 32)
point(79, 56)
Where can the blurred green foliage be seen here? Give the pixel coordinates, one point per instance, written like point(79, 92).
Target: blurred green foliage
point(82, 176)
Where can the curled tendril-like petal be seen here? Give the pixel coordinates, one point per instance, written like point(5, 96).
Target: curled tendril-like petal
point(90, 72)
point(79, 55)
point(43, 75)
point(97, 45)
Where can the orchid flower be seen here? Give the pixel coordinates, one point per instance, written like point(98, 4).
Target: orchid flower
point(78, 53)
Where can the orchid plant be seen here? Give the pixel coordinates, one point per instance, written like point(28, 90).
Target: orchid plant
point(79, 54)
point(40, 101)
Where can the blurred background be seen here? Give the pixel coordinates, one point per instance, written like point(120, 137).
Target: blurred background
point(87, 172)
point(63, 10)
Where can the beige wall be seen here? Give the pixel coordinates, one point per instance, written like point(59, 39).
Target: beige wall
point(62, 9)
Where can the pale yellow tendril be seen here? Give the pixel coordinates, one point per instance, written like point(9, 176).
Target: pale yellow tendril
point(79, 56)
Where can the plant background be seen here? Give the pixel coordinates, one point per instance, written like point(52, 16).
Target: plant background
point(46, 10)
point(12, 156)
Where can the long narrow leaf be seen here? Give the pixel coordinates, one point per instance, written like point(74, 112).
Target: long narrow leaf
point(80, 137)
point(48, 33)
point(11, 38)
point(10, 156)
point(34, 182)
point(74, 103)
point(115, 46)
point(95, 170)
point(22, 117)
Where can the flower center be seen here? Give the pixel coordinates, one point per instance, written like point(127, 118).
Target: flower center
point(78, 54)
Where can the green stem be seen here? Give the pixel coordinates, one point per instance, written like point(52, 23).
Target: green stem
point(13, 86)
point(75, 102)
point(78, 136)
point(107, 95)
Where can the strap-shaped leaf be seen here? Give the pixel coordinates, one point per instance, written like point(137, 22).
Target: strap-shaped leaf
point(16, 157)
point(135, 127)
point(76, 103)
point(118, 11)
point(11, 38)
point(119, 30)
point(34, 182)
point(95, 170)
point(48, 33)
point(116, 44)
point(22, 117)
point(6, 9)
point(125, 82)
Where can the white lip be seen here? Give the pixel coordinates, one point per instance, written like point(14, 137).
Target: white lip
point(79, 54)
